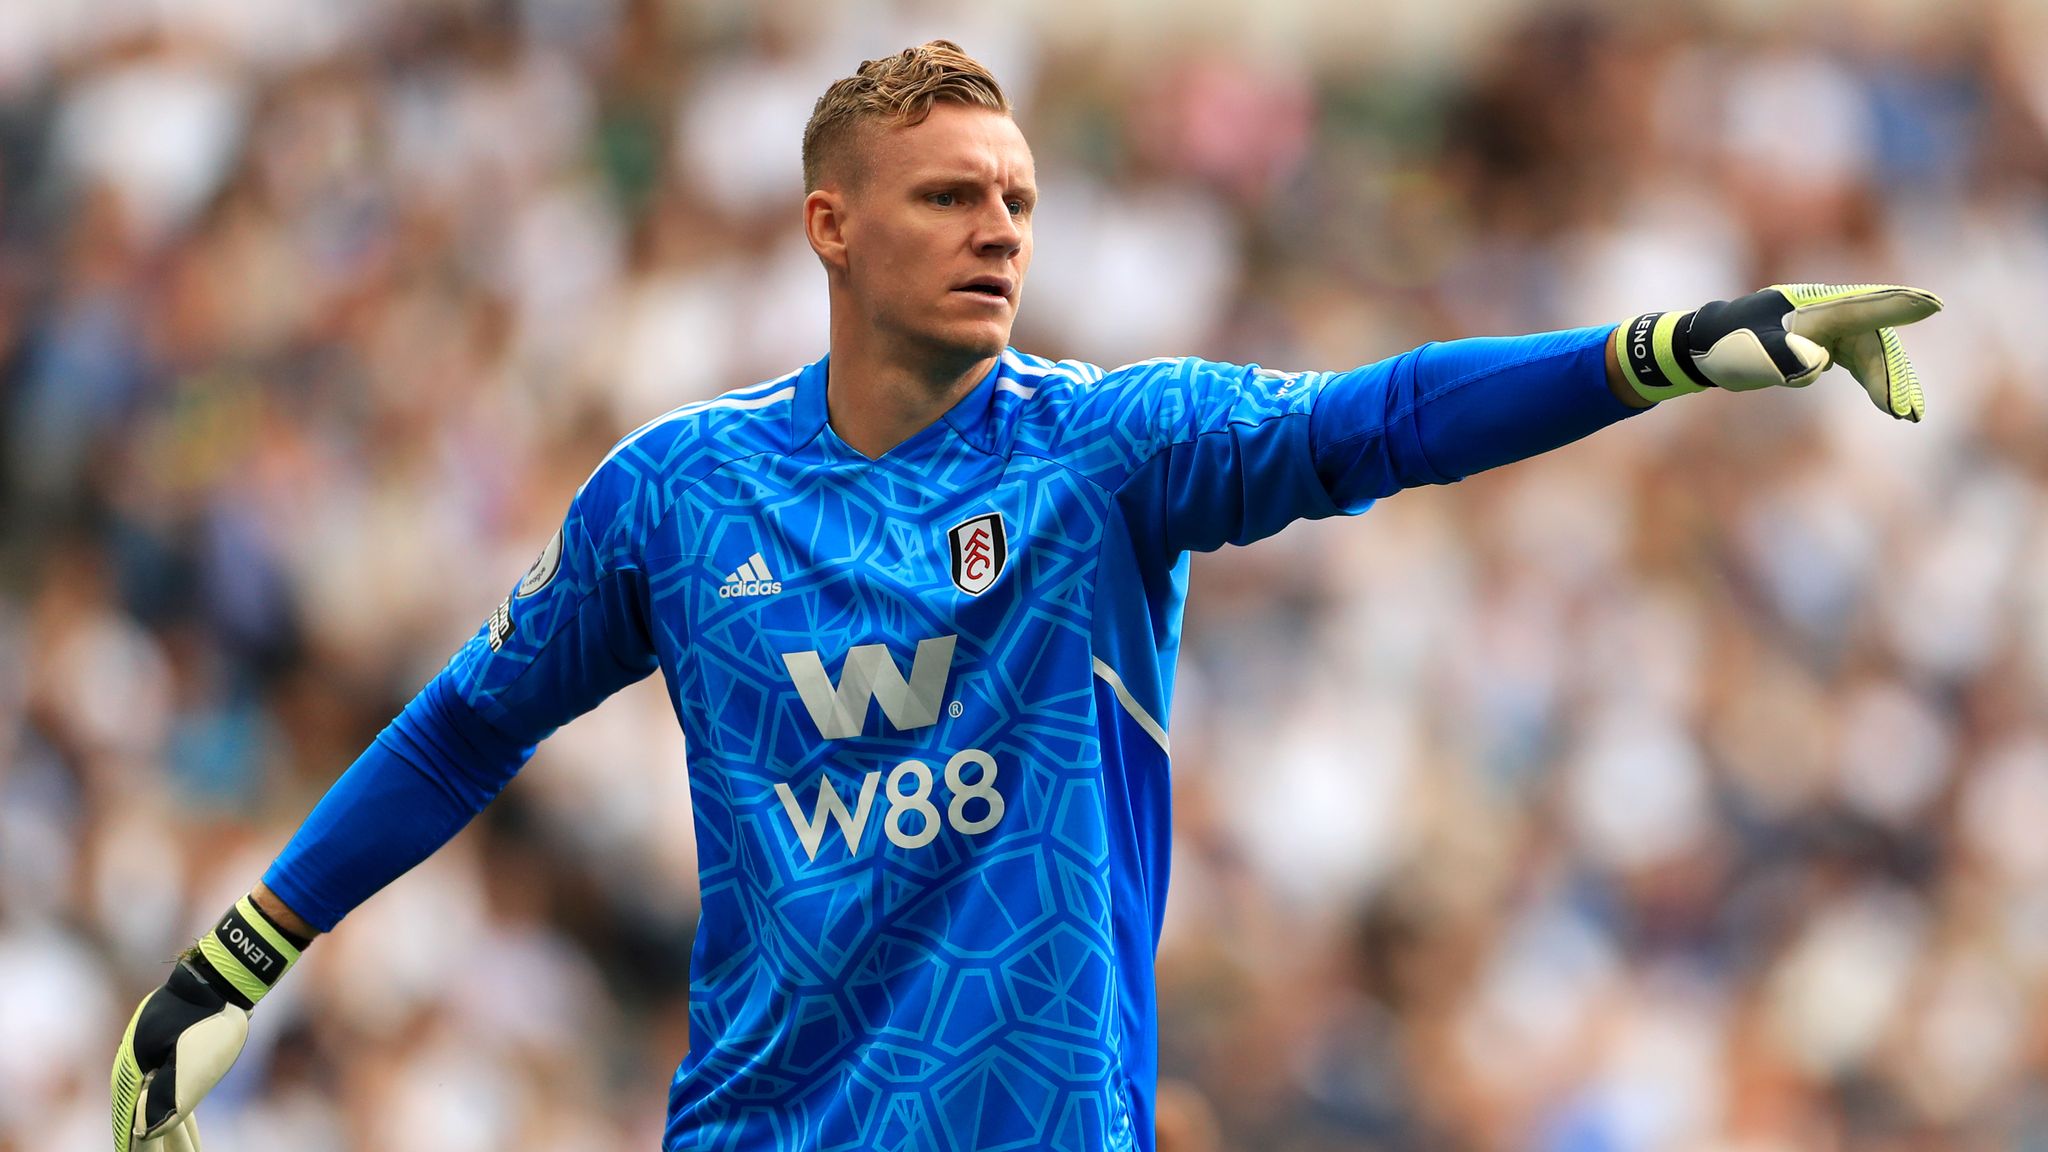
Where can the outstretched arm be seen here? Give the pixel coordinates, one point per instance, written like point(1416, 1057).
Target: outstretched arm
point(1234, 453)
point(572, 632)
point(1445, 411)
point(1478, 404)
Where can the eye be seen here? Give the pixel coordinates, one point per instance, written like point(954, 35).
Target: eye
point(942, 199)
point(1016, 207)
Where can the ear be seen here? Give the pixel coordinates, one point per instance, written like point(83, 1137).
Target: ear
point(825, 226)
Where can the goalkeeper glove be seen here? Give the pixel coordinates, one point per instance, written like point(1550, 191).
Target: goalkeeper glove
point(1783, 336)
point(185, 1035)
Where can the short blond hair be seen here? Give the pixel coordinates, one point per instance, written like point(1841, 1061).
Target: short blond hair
point(897, 90)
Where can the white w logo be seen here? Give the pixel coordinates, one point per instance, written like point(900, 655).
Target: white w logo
point(841, 710)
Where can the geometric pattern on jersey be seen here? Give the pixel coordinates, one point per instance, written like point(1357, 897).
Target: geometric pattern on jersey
point(932, 826)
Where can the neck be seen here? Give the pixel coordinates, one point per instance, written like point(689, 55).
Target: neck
point(878, 396)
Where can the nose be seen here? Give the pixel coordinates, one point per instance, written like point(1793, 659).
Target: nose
point(1000, 234)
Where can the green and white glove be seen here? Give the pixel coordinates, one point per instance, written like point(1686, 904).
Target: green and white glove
point(1781, 337)
point(185, 1035)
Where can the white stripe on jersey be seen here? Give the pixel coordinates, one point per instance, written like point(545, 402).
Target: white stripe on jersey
point(736, 401)
point(739, 398)
point(1131, 705)
point(1060, 368)
point(1147, 363)
point(1040, 369)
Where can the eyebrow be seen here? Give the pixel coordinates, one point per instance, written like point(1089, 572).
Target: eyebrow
point(955, 177)
point(962, 176)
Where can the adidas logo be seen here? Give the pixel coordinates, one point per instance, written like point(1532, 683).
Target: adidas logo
point(752, 579)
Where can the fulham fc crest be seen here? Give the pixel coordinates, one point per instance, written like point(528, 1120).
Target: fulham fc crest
point(980, 549)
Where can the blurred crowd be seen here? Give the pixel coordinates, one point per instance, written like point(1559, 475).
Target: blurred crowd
point(1684, 790)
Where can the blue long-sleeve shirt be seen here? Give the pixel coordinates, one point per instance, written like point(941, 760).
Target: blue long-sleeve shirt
point(925, 701)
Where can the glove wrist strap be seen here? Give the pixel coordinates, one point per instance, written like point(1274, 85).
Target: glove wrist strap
point(249, 953)
point(1653, 359)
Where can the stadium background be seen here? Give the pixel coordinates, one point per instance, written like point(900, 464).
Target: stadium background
point(1687, 790)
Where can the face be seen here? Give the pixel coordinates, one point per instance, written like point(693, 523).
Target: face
point(930, 243)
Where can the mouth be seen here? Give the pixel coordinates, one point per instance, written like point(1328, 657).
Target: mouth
point(994, 288)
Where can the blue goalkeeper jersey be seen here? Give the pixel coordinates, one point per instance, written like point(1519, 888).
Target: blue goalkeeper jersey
point(925, 700)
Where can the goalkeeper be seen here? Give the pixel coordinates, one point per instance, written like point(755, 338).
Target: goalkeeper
point(917, 606)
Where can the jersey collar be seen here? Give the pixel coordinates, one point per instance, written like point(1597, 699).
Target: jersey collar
point(808, 415)
point(969, 416)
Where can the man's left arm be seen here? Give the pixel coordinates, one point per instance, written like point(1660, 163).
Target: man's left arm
point(1250, 450)
point(1482, 403)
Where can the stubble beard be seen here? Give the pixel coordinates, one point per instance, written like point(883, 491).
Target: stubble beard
point(944, 356)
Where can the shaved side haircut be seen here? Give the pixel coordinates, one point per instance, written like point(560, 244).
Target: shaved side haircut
point(893, 90)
